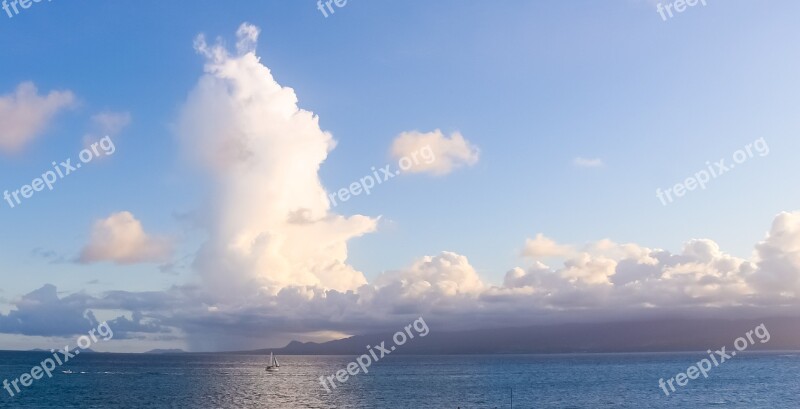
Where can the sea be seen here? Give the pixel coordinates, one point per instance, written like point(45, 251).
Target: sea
point(111, 381)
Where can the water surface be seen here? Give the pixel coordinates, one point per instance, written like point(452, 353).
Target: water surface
point(112, 381)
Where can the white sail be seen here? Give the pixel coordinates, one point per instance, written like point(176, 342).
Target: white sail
point(273, 363)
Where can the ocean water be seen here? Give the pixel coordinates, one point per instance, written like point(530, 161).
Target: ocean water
point(110, 381)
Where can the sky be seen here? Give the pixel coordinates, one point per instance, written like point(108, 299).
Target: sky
point(217, 210)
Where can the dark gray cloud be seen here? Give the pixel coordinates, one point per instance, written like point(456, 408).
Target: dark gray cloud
point(43, 313)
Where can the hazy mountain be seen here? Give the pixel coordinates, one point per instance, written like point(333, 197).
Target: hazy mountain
point(165, 351)
point(632, 336)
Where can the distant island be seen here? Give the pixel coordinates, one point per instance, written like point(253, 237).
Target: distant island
point(83, 351)
point(165, 352)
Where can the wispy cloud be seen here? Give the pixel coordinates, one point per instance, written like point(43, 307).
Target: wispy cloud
point(582, 162)
point(24, 114)
point(111, 122)
point(106, 124)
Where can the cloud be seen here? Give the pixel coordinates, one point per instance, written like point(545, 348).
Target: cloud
point(588, 162)
point(602, 281)
point(450, 153)
point(25, 114)
point(111, 123)
point(43, 313)
point(778, 258)
point(598, 282)
point(625, 276)
point(121, 239)
point(271, 224)
point(448, 274)
point(106, 124)
point(542, 247)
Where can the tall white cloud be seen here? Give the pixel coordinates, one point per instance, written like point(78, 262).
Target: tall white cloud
point(450, 153)
point(272, 224)
point(121, 239)
point(24, 114)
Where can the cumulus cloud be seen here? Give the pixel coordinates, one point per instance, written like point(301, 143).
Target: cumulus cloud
point(271, 226)
point(542, 247)
point(121, 239)
point(778, 258)
point(43, 313)
point(582, 162)
point(25, 114)
point(428, 281)
point(598, 282)
point(450, 153)
point(625, 276)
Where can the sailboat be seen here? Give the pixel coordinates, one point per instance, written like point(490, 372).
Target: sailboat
point(273, 363)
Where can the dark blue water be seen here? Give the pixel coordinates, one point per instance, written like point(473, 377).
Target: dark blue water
point(755, 380)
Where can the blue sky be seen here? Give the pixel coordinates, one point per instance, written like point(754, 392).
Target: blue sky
point(532, 85)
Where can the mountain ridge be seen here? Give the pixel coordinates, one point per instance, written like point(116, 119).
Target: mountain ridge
point(663, 335)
